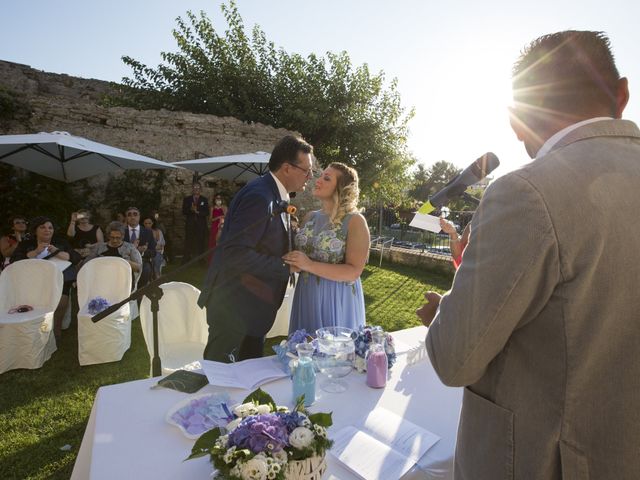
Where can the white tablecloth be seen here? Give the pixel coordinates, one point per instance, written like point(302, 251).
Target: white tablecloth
point(127, 436)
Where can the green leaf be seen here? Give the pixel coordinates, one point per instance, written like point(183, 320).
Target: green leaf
point(260, 397)
point(322, 419)
point(299, 404)
point(205, 443)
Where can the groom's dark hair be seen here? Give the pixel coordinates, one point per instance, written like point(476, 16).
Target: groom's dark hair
point(286, 151)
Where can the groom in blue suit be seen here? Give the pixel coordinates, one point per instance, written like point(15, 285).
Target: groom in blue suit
point(247, 279)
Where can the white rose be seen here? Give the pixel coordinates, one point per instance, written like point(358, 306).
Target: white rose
point(282, 409)
point(263, 409)
point(255, 469)
point(301, 437)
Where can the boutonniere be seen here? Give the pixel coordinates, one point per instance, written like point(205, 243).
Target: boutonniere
point(202, 203)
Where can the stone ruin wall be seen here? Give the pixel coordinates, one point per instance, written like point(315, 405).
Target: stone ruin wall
point(64, 103)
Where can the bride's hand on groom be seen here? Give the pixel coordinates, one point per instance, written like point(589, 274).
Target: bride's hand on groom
point(297, 260)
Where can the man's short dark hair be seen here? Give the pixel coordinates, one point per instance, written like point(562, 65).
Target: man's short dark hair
point(286, 151)
point(569, 72)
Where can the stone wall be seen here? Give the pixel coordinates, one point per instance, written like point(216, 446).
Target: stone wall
point(64, 103)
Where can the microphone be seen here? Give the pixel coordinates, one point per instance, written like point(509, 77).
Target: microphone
point(475, 172)
point(282, 206)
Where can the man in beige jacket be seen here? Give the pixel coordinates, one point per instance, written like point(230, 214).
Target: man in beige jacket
point(542, 324)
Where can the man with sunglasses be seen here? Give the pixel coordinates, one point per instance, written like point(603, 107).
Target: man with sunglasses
point(142, 238)
point(247, 278)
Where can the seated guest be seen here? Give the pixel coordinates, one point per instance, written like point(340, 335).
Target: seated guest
point(10, 241)
point(43, 244)
point(82, 233)
point(142, 238)
point(158, 261)
point(117, 247)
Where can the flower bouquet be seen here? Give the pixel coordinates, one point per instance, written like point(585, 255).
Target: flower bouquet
point(265, 441)
point(363, 340)
point(98, 304)
point(286, 350)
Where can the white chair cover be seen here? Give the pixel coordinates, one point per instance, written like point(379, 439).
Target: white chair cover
point(26, 340)
point(281, 324)
point(182, 327)
point(108, 339)
point(133, 304)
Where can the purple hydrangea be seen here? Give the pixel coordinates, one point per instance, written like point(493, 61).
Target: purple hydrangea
point(98, 304)
point(299, 336)
point(291, 420)
point(259, 433)
point(363, 339)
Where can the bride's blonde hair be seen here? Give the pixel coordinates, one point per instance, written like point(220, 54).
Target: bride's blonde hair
point(346, 194)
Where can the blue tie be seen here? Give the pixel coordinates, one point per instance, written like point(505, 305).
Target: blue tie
point(133, 235)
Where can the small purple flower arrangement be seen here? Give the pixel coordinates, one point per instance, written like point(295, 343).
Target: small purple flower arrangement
point(263, 439)
point(286, 350)
point(362, 342)
point(98, 304)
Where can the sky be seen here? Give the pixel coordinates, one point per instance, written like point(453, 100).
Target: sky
point(452, 59)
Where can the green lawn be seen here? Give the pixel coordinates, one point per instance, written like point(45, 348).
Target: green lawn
point(46, 409)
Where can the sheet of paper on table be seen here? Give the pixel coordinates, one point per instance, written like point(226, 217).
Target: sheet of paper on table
point(426, 222)
point(248, 374)
point(385, 446)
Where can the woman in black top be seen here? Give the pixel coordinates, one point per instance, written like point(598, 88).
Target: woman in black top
point(44, 245)
point(82, 233)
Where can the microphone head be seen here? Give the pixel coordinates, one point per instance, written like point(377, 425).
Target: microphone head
point(475, 172)
point(484, 165)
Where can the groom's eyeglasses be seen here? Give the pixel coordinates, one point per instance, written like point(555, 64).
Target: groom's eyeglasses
point(309, 173)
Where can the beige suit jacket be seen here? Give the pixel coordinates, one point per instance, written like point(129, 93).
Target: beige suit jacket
point(542, 323)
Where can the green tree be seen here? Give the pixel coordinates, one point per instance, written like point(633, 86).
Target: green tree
point(345, 111)
point(427, 181)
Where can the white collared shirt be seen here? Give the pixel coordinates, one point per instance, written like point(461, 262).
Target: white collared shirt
point(134, 229)
point(284, 195)
point(556, 137)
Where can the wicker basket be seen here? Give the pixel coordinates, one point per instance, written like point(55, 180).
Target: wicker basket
point(308, 469)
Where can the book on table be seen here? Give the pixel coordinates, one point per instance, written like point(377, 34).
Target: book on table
point(384, 446)
point(248, 374)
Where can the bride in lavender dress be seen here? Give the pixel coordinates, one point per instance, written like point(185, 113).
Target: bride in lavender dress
point(331, 251)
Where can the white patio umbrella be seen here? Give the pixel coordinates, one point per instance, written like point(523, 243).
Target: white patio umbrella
point(242, 167)
point(68, 158)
